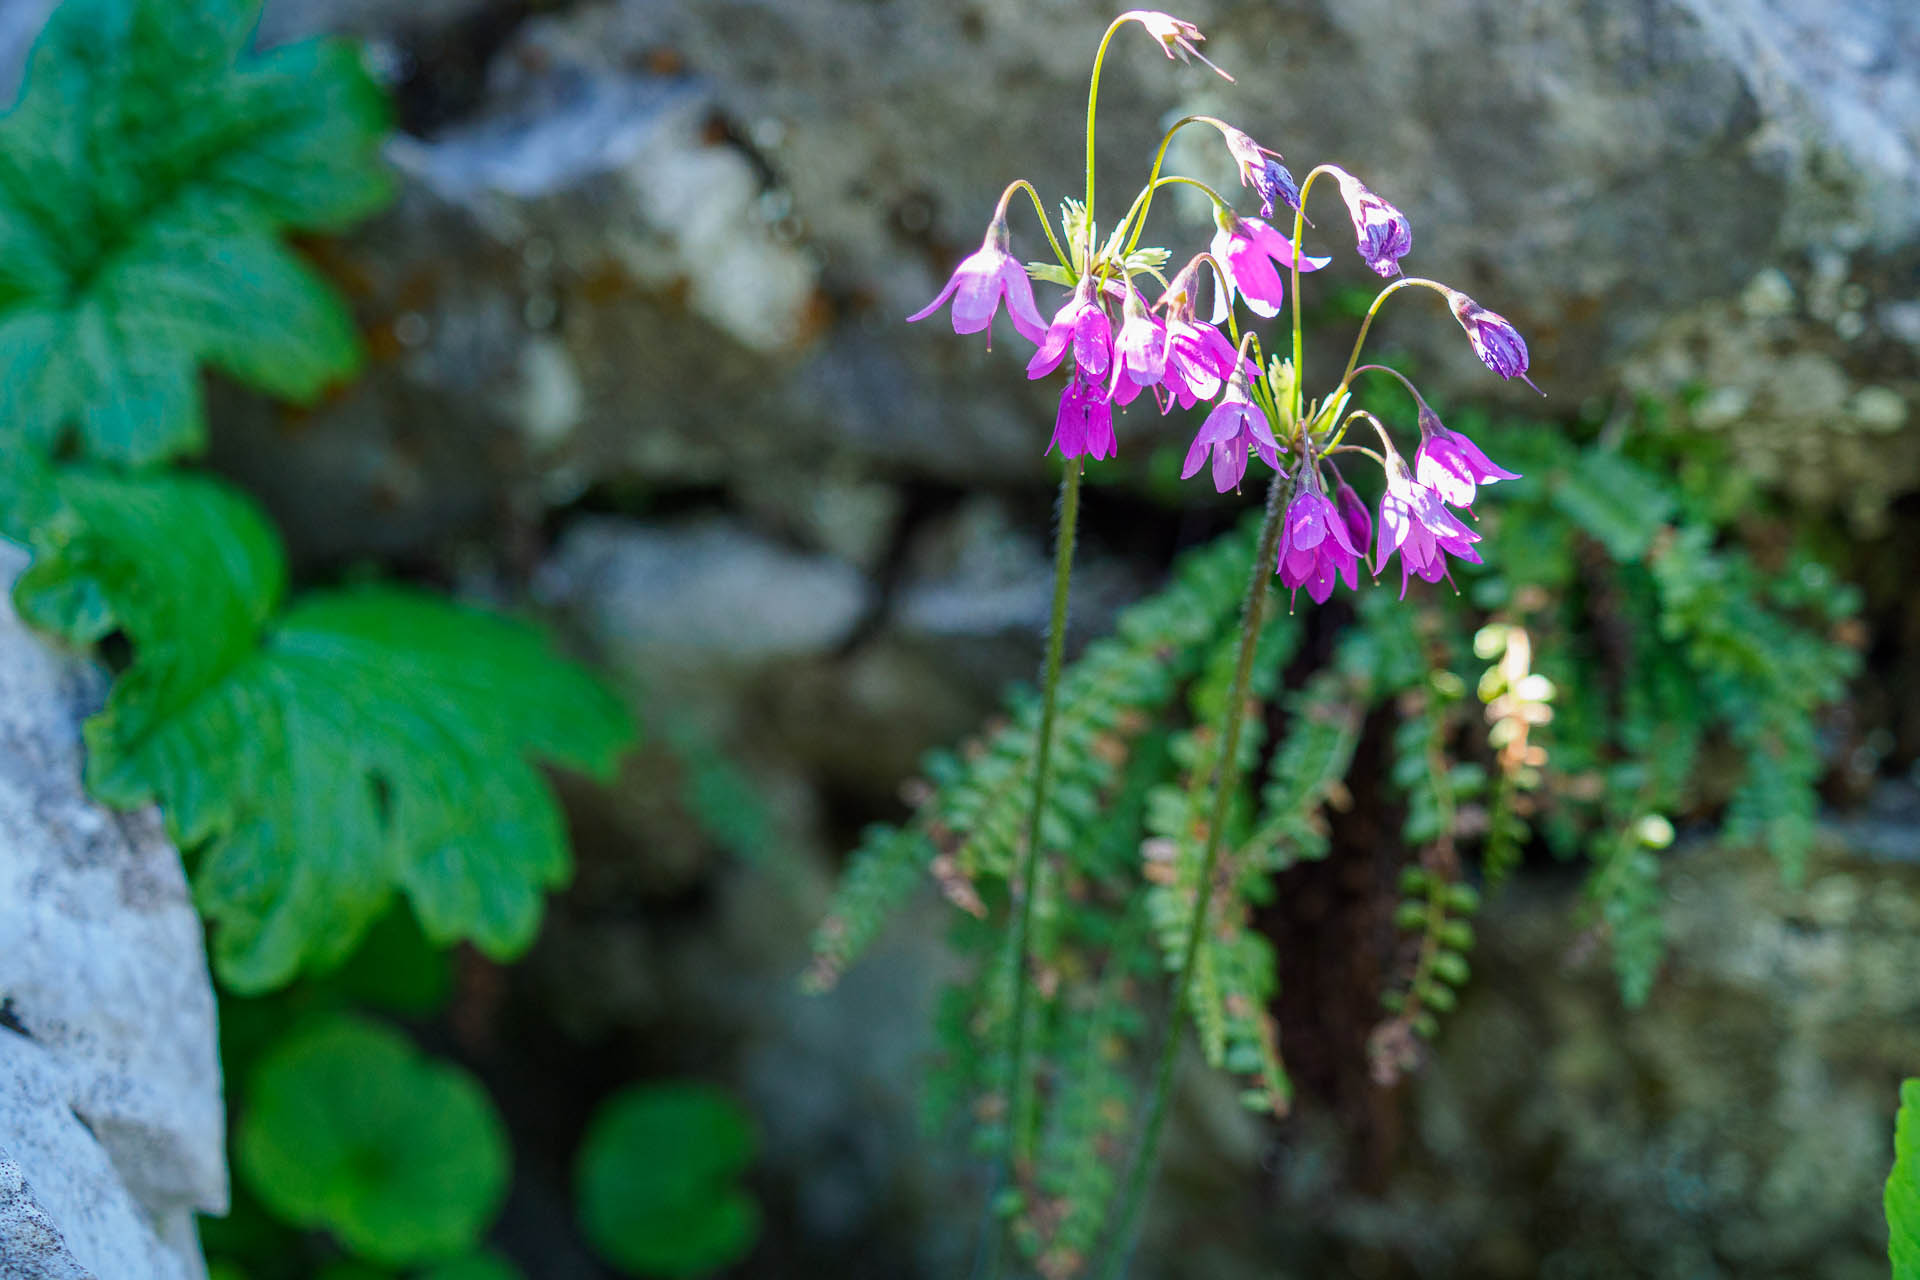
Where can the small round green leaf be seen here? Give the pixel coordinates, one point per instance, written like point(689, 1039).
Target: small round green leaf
point(348, 1127)
point(657, 1181)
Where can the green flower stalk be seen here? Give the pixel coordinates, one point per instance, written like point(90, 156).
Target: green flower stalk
point(1115, 348)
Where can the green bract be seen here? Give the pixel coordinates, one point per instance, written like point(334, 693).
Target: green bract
point(349, 1128)
point(144, 180)
point(657, 1181)
point(318, 758)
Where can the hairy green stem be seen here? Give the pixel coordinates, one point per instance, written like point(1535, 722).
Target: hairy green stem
point(1019, 1088)
point(1252, 621)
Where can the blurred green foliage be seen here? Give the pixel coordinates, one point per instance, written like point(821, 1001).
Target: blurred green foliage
point(657, 1180)
point(354, 776)
point(475, 1266)
point(348, 1127)
point(145, 178)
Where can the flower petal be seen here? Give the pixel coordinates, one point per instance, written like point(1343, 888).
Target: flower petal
point(1020, 305)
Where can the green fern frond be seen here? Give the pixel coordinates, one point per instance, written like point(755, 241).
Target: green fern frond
point(1310, 766)
point(1090, 1117)
point(881, 874)
point(1625, 890)
point(975, 813)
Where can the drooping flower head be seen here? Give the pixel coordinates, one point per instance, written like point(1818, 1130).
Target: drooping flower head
point(1199, 357)
point(1081, 325)
point(1316, 545)
point(1176, 35)
point(1140, 352)
point(1414, 522)
point(1248, 249)
point(1452, 465)
point(1497, 343)
point(981, 280)
point(1262, 169)
point(1381, 233)
point(1083, 427)
point(1234, 426)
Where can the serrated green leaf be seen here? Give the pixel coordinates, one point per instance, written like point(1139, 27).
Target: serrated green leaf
point(347, 1127)
point(657, 1183)
point(145, 177)
point(1902, 1197)
point(367, 740)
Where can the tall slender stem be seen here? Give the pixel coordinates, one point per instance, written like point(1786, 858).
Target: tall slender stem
point(1019, 1087)
point(1379, 300)
point(1252, 620)
point(1144, 201)
point(1093, 100)
point(1022, 184)
point(1299, 229)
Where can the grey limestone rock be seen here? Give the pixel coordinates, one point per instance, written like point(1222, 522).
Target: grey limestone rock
point(674, 243)
point(112, 1132)
point(702, 596)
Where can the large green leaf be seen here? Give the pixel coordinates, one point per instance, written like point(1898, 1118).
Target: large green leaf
point(145, 177)
point(1903, 1187)
point(658, 1180)
point(347, 1127)
point(365, 740)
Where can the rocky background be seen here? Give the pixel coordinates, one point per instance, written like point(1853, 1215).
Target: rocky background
point(636, 350)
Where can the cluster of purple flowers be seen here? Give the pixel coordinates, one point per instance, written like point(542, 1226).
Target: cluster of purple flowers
point(1116, 345)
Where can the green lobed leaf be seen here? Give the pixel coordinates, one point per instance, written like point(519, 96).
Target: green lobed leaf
point(145, 177)
point(1902, 1197)
point(657, 1180)
point(347, 1127)
point(366, 740)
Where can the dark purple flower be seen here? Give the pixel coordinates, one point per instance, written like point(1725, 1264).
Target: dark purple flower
point(1315, 543)
point(1176, 35)
point(1140, 352)
point(1497, 343)
point(1354, 513)
point(1235, 425)
point(1381, 232)
point(978, 284)
point(1084, 425)
point(1081, 324)
point(1414, 522)
point(1248, 250)
point(1452, 465)
point(1261, 169)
